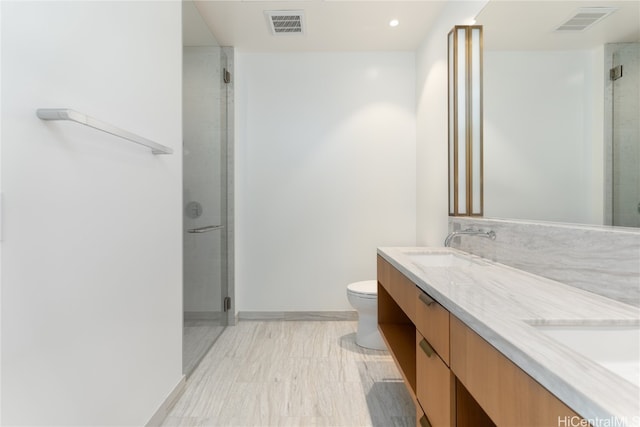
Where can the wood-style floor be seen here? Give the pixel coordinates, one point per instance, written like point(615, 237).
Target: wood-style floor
point(197, 337)
point(293, 373)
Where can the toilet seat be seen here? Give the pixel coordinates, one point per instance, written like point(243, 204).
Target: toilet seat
point(365, 289)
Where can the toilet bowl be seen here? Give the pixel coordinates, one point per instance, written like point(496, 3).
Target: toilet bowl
point(363, 296)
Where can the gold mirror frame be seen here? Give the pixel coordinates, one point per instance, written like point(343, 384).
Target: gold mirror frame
point(465, 121)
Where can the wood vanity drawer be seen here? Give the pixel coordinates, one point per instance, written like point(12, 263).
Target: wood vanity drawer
point(508, 395)
point(432, 320)
point(421, 418)
point(435, 386)
point(401, 289)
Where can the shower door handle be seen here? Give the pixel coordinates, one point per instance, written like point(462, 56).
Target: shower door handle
point(206, 229)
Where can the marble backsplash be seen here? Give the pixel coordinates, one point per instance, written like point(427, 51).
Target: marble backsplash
point(600, 259)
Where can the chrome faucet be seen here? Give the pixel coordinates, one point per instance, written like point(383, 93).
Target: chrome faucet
point(469, 231)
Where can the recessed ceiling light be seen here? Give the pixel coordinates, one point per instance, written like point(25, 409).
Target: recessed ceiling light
point(394, 23)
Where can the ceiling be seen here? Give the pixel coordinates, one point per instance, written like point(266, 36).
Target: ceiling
point(331, 25)
point(362, 25)
point(195, 32)
point(530, 25)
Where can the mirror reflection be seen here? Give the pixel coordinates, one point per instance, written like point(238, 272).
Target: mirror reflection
point(562, 140)
point(465, 120)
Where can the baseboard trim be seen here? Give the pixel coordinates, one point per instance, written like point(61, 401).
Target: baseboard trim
point(162, 412)
point(202, 315)
point(298, 315)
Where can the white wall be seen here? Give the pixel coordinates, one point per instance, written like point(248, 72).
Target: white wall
point(539, 137)
point(431, 123)
point(326, 173)
point(92, 245)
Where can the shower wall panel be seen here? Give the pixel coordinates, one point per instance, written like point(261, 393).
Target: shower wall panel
point(626, 136)
point(203, 181)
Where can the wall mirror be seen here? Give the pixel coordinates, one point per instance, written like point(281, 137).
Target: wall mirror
point(562, 140)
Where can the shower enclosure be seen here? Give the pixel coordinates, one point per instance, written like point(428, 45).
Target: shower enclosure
point(623, 137)
point(207, 199)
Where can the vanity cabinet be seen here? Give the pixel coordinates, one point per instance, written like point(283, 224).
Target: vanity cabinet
point(435, 385)
point(416, 330)
point(505, 392)
point(432, 321)
point(402, 290)
point(455, 377)
point(395, 320)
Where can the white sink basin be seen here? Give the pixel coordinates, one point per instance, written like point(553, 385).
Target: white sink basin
point(443, 259)
point(615, 347)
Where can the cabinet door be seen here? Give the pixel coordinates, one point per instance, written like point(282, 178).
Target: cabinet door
point(435, 385)
point(504, 391)
point(421, 418)
point(401, 289)
point(432, 320)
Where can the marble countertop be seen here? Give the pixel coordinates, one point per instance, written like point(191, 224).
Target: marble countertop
point(502, 304)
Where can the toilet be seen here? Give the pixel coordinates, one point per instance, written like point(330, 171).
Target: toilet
point(363, 296)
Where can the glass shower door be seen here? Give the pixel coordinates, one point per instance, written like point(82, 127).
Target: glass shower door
point(626, 135)
point(205, 201)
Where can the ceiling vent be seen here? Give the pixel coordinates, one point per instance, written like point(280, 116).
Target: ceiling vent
point(586, 17)
point(285, 22)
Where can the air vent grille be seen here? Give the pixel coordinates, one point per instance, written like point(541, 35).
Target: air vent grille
point(283, 22)
point(586, 17)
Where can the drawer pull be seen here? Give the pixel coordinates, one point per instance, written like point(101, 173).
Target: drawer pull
point(426, 298)
point(424, 422)
point(428, 350)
